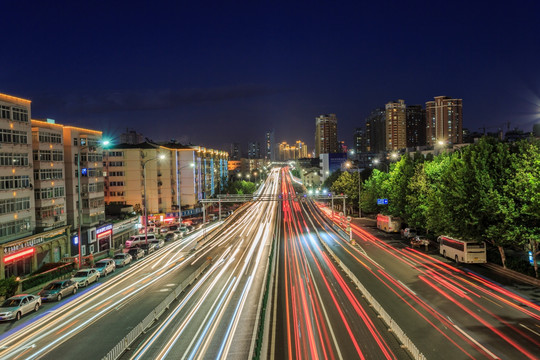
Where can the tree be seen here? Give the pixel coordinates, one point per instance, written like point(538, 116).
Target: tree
point(373, 189)
point(327, 184)
point(241, 187)
point(347, 184)
point(398, 187)
point(524, 190)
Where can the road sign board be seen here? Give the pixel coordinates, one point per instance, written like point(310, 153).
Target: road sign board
point(382, 201)
point(349, 218)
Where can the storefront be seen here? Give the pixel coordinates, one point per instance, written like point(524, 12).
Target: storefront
point(123, 230)
point(23, 256)
point(104, 235)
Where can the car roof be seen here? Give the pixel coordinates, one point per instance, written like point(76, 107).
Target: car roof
point(19, 296)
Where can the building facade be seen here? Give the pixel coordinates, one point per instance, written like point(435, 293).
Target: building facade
point(185, 175)
point(326, 139)
point(444, 121)
point(269, 146)
point(396, 136)
point(376, 131)
point(292, 152)
point(49, 174)
point(254, 150)
point(17, 206)
point(416, 126)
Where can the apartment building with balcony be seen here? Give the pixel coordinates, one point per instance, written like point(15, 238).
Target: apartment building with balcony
point(49, 172)
point(83, 156)
point(185, 175)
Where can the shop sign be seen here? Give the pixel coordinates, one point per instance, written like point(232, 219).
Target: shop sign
point(22, 245)
point(104, 228)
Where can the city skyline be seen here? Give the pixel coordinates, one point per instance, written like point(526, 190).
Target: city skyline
point(243, 68)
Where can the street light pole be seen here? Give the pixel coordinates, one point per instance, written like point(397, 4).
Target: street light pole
point(79, 207)
point(145, 197)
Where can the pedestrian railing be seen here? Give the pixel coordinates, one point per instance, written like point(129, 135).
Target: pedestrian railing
point(124, 344)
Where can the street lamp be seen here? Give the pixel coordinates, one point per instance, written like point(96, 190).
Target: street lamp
point(178, 189)
point(160, 157)
point(349, 164)
point(377, 162)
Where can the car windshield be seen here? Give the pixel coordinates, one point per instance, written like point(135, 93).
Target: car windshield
point(53, 286)
point(11, 303)
point(81, 274)
point(119, 256)
point(100, 265)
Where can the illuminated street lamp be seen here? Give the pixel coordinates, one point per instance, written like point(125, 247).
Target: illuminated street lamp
point(160, 157)
point(377, 162)
point(350, 165)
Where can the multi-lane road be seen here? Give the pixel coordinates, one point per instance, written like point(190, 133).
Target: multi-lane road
point(316, 310)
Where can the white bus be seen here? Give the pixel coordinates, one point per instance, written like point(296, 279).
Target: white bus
point(463, 251)
point(388, 223)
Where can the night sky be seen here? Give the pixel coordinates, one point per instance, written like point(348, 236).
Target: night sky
point(212, 74)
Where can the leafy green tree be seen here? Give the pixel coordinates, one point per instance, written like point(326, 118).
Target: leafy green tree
point(472, 193)
point(373, 189)
point(524, 190)
point(327, 184)
point(347, 184)
point(241, 187)
point(398, 189)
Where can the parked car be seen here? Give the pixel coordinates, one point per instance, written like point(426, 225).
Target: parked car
point(136, 253)
point(122, 259)
point(408, 233)
point(159, 243)
point(137, 240)
point(105, 266)
point(17, 306)
point(57, 289)
point(84, 277)
point(148, 248)
point(171, 236)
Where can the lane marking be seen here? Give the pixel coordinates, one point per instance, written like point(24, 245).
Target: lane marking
point(531, 330)
point(477, 343)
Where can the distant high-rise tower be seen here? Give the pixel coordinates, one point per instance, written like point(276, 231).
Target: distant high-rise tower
point(396, 136)
point(326, 141)
point(376, 131)
point(269, 147)
point(131, 137)
point(444, 120)
point(359, 140)
point(236, 152)
point(254, 150)
point(416, 126)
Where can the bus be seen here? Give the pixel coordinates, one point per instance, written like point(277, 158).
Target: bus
point(388, 223)
point(463, 251)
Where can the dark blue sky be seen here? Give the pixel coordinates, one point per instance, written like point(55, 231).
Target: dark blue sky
point(213, 74)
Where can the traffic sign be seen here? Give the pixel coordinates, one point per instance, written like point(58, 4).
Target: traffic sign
point(382, 201)
point(349, 218)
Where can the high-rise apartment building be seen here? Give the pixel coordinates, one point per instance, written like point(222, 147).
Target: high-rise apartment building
point(359, 141)
point(292, 152)
point(236, 151)
point(416, 126)
point(49, 173)
point(17, 211)
point(254, 150)
point(376, 131)
point(326, 141)
point(131, 137)
point(444, 121)
point(396, 136)
point(269, 147)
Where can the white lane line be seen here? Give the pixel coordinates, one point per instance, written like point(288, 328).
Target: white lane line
point(477, 343)
point(531, 330)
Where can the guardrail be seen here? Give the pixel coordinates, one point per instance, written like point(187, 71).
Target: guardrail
point(400, 334)
point(261, 321)
point(124, 344)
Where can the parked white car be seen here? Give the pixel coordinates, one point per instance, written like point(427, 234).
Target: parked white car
point(84, 277)
point(122, 259)
point(17, 306)
point(105, 266)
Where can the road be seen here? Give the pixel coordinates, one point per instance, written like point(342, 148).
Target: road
point(218, 312)
point(319, 313)
point(444, 308)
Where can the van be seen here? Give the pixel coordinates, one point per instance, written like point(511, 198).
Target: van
point(137, 240)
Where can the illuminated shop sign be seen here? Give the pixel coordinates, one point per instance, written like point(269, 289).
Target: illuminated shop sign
point(25, 244)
